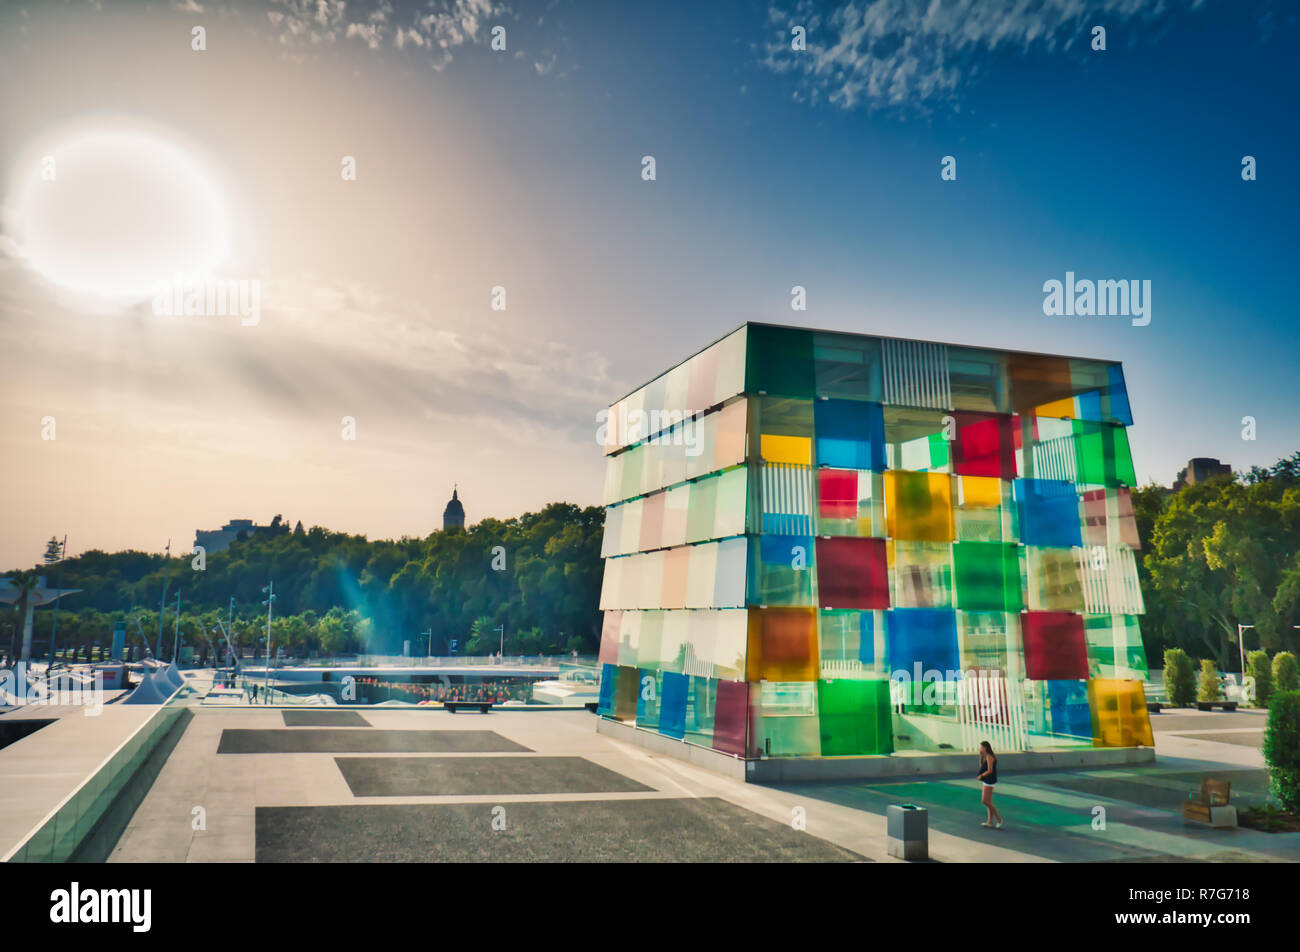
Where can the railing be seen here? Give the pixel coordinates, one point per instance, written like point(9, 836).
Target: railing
point(60, 834)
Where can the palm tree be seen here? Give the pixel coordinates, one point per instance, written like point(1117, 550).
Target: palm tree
point(26, 584)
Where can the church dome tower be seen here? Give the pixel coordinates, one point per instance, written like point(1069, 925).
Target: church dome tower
point(453, 517)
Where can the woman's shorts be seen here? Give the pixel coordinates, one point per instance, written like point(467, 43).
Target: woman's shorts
point(989, 785)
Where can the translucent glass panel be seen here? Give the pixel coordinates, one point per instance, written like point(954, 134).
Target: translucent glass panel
point(854, 717)
point(1048, 512)
point(629, 638)
point(1119, 713)
point(785, 500)
point(984, 445)
point(850, 503)
point(916, 374)
point(920, 574)
point(731, 717)
point(650, 639)
point(695, 448)
point(987, 576)
point(850, 434)
point(1102, 454)
point(782, 570)
point(786, 430)
point(924, 636)
point(1108, 518)
point(990, 641)
point(701, 709)
point(1037, 380)
point(918, 440)
point(984, 511)
point(709, 575)
point(1099, 394)
point(979, 380)
point(919, 506)
point(1054, 646)
point(787, 722)
point(847, 367)
point(852, 573)
point(782, 645)
point(1110, 580)
point(709, 378)
point(780, 361)
point(609, 636)
point(672, 707)
point(1052, 580)
point(1115, 647)
point(852, 643)
point(1067, 709)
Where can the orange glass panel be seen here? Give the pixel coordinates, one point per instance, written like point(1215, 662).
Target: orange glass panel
point(782, 645)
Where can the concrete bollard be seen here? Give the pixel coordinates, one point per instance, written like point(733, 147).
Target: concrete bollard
point(907, 827)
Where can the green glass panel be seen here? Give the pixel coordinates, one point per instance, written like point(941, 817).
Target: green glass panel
point(855, 717)
point(987, 576)
point(1102, 454)
point(780, 362)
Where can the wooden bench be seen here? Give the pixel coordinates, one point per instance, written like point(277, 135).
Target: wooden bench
point(483, 706)
point(1211, 805)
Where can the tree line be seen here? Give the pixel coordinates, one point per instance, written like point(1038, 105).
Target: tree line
point(536, 576)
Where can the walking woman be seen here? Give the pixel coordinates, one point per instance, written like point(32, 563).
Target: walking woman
point(988, 776)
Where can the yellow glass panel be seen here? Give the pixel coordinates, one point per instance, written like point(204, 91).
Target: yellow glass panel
point(786, 449)
point(981, 492)
point(1061, 409)
point(782, 645)
point(1119, 713)
point(919, 506)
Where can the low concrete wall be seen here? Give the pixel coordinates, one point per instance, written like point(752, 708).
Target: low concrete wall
point(895, 766)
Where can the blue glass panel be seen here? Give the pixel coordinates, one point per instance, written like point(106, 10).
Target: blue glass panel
point(1068, 703)
point(672, 706)
point(1049, 513)
point(850, 434)
point(1120, 411)
point(608, 682)
point(927, 635)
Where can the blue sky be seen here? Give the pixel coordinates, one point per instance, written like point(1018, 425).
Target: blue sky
point(521, 168)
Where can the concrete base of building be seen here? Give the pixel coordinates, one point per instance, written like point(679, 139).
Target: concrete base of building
point(902, 765)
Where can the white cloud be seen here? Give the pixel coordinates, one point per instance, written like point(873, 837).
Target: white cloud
point(903, 53)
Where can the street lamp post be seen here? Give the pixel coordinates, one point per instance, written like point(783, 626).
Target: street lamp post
point(269, 589)
point(162, 602)
point(430, 634)
point(502, 628)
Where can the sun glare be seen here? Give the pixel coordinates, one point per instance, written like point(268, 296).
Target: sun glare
point(115, 214)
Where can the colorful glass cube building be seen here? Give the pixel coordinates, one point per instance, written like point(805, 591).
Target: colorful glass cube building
point(826, 544)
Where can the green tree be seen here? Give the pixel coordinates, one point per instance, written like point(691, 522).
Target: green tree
point(1286, 675)
point(1281, 748)
point(1208, 688)
point(1257, 664)
point(1180, 685)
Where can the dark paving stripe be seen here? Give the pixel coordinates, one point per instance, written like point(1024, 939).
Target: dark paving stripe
point(1245, 739)
point(623, 831)
point(1205, 722)
point(1165, 791)
point(1024, 832)
point(324, 719)
point(464, 776)
point(374, 741)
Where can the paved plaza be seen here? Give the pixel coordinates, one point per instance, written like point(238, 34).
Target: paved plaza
point(392, 785)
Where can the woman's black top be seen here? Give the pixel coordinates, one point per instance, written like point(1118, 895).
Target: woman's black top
point(992, 776)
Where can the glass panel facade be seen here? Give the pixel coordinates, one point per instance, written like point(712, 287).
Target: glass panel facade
point(815, 541)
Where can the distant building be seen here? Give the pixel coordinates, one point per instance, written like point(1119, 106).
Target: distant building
point(217, 540)
point(453, 517)
point(1200, 469)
